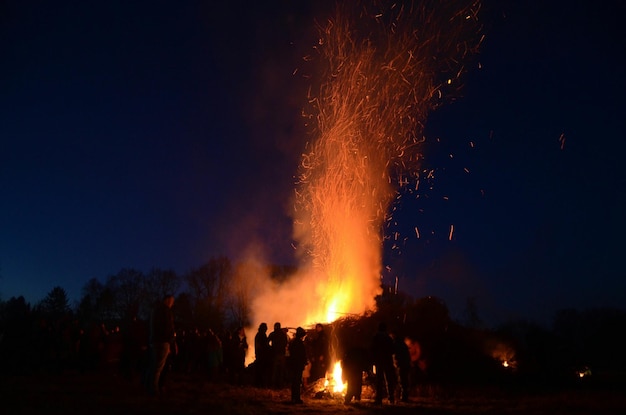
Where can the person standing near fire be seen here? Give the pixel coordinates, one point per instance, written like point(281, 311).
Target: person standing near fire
point(382, 357)
point(240, 350)
point(320, 353)
point(262, 357)
point(355, 361)
point(162, 342)
point(402, 359)
point(278, 348)
point(296, 362)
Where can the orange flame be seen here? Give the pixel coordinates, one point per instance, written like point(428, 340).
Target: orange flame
point(380, 79)
point(335, 380)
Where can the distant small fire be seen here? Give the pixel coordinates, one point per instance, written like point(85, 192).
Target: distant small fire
point(584, 372)
point(505, 355)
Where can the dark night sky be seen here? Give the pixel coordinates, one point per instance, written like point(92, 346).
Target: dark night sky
point(159, 134)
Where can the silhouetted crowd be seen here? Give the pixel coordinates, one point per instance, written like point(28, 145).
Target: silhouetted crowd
point(300, 363)
point(149, 351)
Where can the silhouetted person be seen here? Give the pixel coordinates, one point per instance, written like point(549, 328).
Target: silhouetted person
point(382, 357)
point(296, 362)
point(278, 347)
point(239, 350)
point(135, 345)
point(197, 351)
point(162, 342)
point(215, 355)
point(320, 353)
point(354, 363)
point(403, 363)
point(91, 347)
point(262, 356)
point(226, 338)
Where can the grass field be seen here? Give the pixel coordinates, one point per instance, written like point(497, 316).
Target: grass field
point(107, 393)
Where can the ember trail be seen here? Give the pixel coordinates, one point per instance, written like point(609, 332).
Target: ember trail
point(376, 72)
point(384, 67)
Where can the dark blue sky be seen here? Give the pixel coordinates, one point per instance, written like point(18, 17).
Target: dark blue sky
point(159, 134)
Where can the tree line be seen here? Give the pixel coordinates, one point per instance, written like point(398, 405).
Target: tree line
point(214, 296)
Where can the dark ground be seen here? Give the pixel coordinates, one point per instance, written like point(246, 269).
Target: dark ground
point(107, 393)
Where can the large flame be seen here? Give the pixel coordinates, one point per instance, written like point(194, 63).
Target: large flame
point(383, 67)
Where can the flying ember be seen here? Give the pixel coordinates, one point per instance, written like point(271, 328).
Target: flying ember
point(384, 66)
point(378, 68)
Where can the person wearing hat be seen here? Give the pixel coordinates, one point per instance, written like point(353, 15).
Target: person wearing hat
point(297, 362)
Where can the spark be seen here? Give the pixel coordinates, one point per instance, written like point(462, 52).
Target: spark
point(377, 72)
